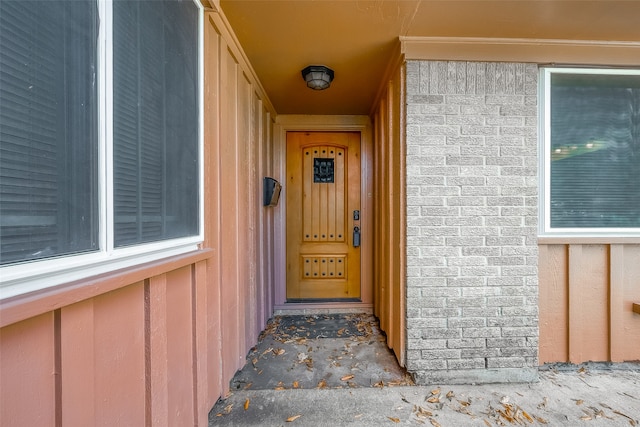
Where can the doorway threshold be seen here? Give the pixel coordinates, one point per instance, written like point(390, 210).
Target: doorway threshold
point(292, 308)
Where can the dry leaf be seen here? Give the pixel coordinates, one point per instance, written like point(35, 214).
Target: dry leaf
point(433, 399)
point(631, 420)
point(487, 423)
point(358, 416)
point(540, 419)
point(347, 377)
point(436, 391)
point(421, 412)
point(278, 352)
point(322, 384)
point(246, 404)
point(228, 408)
point(527, 416)
point(434, 422)
point(395, 420)
point(464, 403)
point(293, 418)
point(579, 401)
point(586, 417)
point(296, 384)
point(450, 395)
point(379, 384)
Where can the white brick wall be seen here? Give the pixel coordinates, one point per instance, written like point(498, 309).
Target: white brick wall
point(472, 188)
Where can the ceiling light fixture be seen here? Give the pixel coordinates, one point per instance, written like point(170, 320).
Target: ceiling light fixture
point(318, 77)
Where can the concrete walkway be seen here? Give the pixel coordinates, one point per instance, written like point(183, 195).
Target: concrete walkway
point(586, 396)
point(334, 370)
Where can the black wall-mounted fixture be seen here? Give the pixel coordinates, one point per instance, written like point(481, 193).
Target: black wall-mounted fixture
point(270, 191)
point(318, 77)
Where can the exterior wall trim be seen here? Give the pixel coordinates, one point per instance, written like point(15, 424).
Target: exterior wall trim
point(559, 240)
point(540, 51)
point(25, 306)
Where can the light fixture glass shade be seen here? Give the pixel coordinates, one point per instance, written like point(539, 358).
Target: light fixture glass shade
point(318, 77)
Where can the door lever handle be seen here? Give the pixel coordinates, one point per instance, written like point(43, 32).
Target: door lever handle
point(356, 237)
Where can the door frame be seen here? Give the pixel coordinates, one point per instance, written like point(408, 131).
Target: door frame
point(362, 124)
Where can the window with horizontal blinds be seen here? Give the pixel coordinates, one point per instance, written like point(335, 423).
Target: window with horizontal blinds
point(48, 129)
point(594, 150)
point(156, 165)
point(100, 138)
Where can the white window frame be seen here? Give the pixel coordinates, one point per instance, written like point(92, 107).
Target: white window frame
point(544, 140)
point(30, 276)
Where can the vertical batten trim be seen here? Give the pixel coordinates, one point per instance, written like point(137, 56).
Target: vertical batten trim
point(57, 358)
point(616, 302)
point(194, 346)
point(147, 355)
point(575, 303)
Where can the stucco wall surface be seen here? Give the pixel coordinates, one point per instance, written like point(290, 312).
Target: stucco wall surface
point(472, 197)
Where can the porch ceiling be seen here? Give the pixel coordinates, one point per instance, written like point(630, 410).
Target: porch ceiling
point(356, 37)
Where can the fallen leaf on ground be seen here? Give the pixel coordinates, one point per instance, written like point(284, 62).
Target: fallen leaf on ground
point(540, 420)
point(631, 420)
point(545, 400)
point(434, 422)
point(436, 391)
point(347, 377)
point(579, 401)
point(293, 418)
point(421, 412)
point(278, 352)
point(246, 404)
point(322, 383)
point(433, 399)
point(450, 395)
point(395, 420)
point(296, 384)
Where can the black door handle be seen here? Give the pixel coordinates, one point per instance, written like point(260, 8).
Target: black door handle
point(356, 237)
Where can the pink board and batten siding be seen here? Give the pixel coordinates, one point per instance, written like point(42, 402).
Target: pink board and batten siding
point(158, 344)
point(587, 292)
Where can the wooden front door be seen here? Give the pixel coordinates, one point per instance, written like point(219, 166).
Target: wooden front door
point(323, 216)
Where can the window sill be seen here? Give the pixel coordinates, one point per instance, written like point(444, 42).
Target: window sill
point(32, 304)
point(587, 240)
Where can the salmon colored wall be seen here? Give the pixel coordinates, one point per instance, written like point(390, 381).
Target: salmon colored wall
point(157, 344)
point(587, 291)
point(389, 228)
